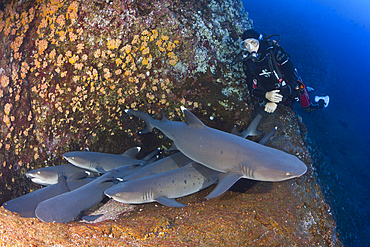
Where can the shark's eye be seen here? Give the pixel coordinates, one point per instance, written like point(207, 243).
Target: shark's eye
point(38, 172)
point(288, 174)
point(72, 158)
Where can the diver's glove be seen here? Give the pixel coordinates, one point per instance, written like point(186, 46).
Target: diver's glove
point(273, 96)
point(270, 107)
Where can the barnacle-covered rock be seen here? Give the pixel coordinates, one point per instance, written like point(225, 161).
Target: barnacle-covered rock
point(69, 69)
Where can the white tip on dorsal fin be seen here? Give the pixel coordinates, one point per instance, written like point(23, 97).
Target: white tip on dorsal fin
point(132, 152)
point(191, 119)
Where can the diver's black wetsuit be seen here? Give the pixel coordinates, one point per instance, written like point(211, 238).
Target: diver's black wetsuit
point(262, 76)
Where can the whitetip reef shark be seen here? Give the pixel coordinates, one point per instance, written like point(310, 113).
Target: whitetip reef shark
point(69, 206)
point(165, 186)
point(232, 156)
point(103, 162)
point(49, 175)
point(169, 178)
point(26, 205)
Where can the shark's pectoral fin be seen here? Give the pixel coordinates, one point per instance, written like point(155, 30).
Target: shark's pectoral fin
point(91, 217)
point(169, 202)
point(225, 181)
point(101, 170)
point(252, 128)
point(255, 133)
point(267, 137)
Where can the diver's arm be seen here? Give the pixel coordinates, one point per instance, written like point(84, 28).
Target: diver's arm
point(259, 93)
point(256, 92)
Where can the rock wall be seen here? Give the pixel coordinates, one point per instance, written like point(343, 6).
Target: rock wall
point(69, 69)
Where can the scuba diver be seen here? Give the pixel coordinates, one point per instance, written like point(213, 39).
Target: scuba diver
point(271, 76)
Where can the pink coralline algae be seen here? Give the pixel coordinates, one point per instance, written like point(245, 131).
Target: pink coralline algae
point(69, 69)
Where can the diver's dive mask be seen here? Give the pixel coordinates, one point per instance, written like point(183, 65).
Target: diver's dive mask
point(250, 45)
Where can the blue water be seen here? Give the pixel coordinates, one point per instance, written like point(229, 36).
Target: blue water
point(328, 41)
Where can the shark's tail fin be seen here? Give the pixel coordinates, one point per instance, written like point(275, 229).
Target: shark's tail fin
point(150, 122)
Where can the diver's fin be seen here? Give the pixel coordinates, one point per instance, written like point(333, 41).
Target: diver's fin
point(225, 181)
point(310, 89)
point(325, 98)
point(132, 152)
point(169, 202)
point(267, 137)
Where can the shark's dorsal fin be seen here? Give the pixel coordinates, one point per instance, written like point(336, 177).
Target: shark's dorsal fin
point(132, 152)
point(169, 202)
point(77, 176)
point(164, 119)
point(173, 147)
point(62, 183)
point(191, 119)
point(235, 131)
